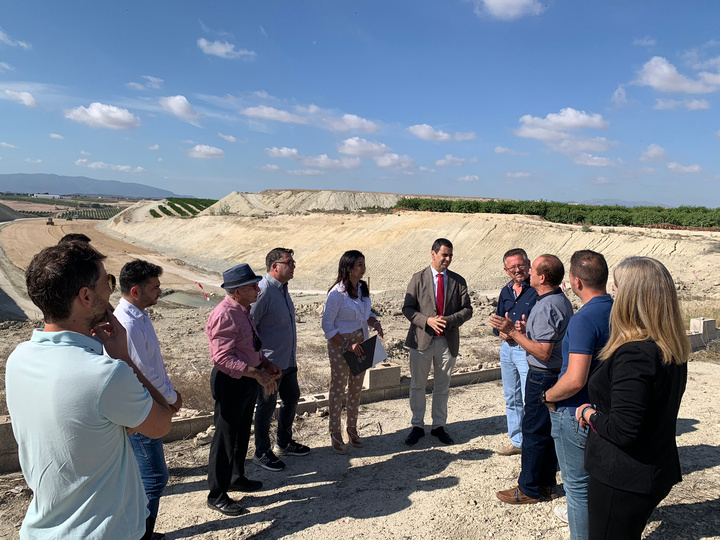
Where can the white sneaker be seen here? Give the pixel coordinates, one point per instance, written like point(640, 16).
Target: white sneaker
point(561, 513)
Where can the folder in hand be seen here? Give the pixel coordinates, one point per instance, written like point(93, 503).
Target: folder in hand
point(373, 354)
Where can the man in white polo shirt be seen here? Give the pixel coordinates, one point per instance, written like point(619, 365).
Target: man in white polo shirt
point(71, 406)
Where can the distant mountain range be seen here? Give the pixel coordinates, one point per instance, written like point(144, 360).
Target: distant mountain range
point(78, 185)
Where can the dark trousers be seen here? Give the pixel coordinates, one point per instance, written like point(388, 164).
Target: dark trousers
point(539, 461)
point(234, 404)
point(616, 514)
point(289, 392)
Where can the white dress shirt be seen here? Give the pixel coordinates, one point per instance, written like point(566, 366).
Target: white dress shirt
point(144, 347)
point(344, 314)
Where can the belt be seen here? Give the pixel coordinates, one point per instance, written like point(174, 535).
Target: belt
point(511, 342)
point(533, 368)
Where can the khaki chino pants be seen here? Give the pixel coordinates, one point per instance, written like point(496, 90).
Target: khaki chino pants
point(437, 356)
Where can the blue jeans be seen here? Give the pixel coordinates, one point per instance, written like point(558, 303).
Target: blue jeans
point(289, 392)
point(514, 369)
point(153, 470)
point(539, 462)
point(570, 440)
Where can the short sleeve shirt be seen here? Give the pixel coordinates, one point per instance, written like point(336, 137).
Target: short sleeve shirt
point(69, 406)
point(547, 324)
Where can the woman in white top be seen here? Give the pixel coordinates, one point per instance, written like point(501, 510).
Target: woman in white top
point(345, 322)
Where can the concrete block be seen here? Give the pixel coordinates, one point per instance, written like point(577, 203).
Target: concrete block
point(371, 396)
point(306, 405)
point(184, 428)
point(321, 400)
point(703, 326)
point(9, 461)
point(383, 375)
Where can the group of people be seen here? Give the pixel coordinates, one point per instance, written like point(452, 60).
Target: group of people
point(596, 392)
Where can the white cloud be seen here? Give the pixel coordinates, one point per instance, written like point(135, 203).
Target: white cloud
point(574, 145)
point(449, 160)
point(654, 152)
point(305, 172)
point(509, 151)
point(357, 146)
point(427, 133)
point(108, 166)
point(588, 160)
point(646, 41)
point(228, 138)
point(619, 97)
point(4, 66)
point(84, 153)
point(34, 161)
point(99, 115)
point(517, 174)
point(348, 122)
point(464, 136)
point(3, 144)
point(180, 107)
point(696, 104)
point(567, 119)
point(154, 83)
point(283, 152)
point(203, 151)
point(426, 169)
point(7, 40)
point(394, 161)
point(676, 167)
point(507, 10)
point(25, 98)
point(600, 180)
point(56, 136)
point(160, 160)
point(223, 49)
point(469, 178)
point(271, 113)
point(661, 75)
point(689, 104)
point(154, 147)
point(270, 167)
point(324, 162)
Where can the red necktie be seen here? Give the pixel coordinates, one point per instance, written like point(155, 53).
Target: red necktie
point(440, 298)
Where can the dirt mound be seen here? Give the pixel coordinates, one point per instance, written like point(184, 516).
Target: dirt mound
point(293, 201)
point(8, 214)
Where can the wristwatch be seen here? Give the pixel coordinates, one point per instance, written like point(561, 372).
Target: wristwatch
point(542, 397)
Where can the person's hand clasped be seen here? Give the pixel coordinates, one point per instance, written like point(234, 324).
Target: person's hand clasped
point(584, 411)
point(437, 323)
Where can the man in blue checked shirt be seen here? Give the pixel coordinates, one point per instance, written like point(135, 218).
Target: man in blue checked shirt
point(517, 298)
point(274, 316)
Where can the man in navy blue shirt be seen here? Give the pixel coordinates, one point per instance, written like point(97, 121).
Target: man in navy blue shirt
point(517, 298)
point(587, 333)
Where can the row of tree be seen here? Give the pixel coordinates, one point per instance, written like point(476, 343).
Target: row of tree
point(583, 214)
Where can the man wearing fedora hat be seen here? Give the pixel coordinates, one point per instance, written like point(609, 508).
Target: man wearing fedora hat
point(239, 368)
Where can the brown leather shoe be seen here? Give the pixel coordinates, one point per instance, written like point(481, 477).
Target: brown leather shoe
point(515, 496)
point(509, 450)
point(547, 493)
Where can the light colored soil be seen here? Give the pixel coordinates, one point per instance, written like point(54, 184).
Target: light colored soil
point(385, 490)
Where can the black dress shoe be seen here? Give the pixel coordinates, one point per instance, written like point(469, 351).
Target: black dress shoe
point(246, 485)
point(442, 435)
point(414, 436)
point(226, 506)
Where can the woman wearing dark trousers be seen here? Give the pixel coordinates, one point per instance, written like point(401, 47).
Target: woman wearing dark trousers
point(631, 454)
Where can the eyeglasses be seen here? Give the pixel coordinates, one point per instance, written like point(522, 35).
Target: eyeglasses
point(517, 267)
point(112, 283)
point(291, 262)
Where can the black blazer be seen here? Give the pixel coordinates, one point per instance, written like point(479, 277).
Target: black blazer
point(638, 398)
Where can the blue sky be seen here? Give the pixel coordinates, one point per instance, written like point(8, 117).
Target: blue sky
point(518, 99)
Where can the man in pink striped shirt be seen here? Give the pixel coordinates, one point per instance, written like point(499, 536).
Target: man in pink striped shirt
point(239, 369)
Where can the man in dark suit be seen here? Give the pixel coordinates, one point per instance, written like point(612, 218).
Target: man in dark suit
point(436, 304)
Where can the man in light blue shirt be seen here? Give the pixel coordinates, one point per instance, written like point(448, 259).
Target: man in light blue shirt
point(274, 316)
point(71, 406)
point(140, 287)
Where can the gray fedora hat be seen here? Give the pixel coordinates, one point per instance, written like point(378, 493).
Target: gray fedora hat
point(238, 276)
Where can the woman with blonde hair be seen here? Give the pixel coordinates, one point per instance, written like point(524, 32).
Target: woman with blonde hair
point(631, 453)
point(346, 321)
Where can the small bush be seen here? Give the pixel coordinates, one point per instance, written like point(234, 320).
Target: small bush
point(154, 213)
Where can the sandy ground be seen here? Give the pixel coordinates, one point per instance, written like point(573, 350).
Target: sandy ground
point(385, 490)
